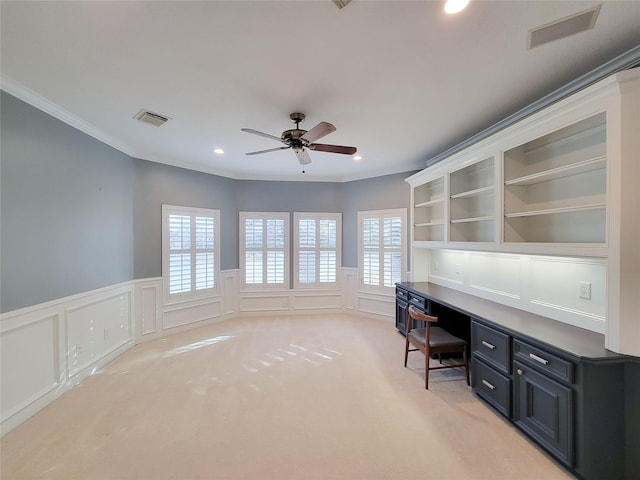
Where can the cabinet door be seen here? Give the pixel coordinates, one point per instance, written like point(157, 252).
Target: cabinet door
point(543, 408)
point(402, 315)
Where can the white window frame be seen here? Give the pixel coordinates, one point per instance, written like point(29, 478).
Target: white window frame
point(381, 215)
point(337, 217)
point(192, 213)
point(265, 216)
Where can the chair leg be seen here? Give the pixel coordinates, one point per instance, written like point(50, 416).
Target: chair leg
point(426, 370)
point(406, 352)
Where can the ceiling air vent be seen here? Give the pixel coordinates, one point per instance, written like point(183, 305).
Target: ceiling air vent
point(564, 27)
point(341, 3)
point(151, 118)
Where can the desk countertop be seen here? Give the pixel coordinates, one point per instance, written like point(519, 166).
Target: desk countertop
point(581, 343)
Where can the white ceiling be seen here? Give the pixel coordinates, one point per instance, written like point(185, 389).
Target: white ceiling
point(400, 80)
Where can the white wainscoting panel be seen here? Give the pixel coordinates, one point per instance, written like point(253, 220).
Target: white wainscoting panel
point(48, 348)
point(254, 302)
point(349, 287)
point(446, 265)
point(96, 329)
point(377, 305)
point(187, 313)
point(554, 287)
point(545, 285)
point(496, 273)
point(230, 288)
point(30, 364)
point(149, 317)
point(317, 300)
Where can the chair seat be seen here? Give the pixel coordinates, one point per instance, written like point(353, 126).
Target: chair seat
point(440, 342)
point(437, 338)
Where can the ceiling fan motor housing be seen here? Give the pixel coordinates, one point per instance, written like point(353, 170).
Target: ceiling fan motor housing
point(293, 138)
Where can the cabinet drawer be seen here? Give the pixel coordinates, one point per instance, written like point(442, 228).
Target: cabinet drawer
point(419, 302)
point(491, 386)
point(546, 362)
point(402, 295)
point(491, 346)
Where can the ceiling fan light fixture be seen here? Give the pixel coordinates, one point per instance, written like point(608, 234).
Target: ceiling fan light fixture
point(357, 157)
point(218, 151)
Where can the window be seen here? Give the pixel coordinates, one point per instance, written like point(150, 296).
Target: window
point(382, 248)
point(190, 252)
point(317, 239)
point(264, 249)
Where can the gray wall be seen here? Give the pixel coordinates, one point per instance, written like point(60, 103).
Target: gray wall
point(157, 184)
point(378, 193)
point(66, 209)
point(78, 215)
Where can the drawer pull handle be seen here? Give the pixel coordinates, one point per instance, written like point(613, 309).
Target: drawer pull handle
point(488, 345)
point(520, 371)
point(492, 387)
point(538, 359)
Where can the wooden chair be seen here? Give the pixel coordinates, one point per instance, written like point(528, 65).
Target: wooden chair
point(433, 341)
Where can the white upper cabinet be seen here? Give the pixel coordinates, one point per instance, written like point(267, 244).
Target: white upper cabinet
point(472, 210)
point(541, 186)
point(555, 187)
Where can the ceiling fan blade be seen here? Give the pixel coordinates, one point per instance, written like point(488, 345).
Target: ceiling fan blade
point(262, 134)
point(321, 147)
point(303, 157)
point(267, 151)
point(319, 131)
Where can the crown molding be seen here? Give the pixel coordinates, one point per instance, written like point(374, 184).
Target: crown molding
point(41, 103)
point(625, 61)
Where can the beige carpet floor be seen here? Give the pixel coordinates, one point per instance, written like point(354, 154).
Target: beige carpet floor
point(313, 397)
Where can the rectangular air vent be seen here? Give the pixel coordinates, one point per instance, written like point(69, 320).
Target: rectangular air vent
point(564, 27)
point(151, 118)
point(341, 3)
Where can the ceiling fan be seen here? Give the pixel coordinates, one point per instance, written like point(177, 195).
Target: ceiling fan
point(302, 140)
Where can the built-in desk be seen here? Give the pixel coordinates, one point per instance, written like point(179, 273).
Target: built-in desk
point(556, 382)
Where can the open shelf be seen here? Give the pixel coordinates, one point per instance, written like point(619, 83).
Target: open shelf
point(472, 202)
point(429, 224)
point(549, 211)
point(471, 219)
point(474, 193)
point(428, 211)
point(552, 227)
point(589, 165)
point(430, 203)
point(555, 186)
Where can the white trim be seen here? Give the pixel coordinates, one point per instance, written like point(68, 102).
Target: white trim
point(381, 214)
point(36, 100)
point(191, 212)
point(264, 216)
point(337, 217)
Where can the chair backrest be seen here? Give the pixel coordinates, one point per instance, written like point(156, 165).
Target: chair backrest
point(418, 315)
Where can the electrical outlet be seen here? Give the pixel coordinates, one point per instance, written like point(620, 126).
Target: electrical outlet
point(584, 290)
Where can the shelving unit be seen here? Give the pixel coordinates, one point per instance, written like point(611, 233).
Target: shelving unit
point(564, 182)
point(558, 181)
point(428, 211)
point(471, 203)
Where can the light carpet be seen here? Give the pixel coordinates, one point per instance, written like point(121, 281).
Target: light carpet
point(292, 397)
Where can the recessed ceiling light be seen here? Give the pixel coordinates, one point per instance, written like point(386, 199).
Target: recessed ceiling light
point(357, 158)
point(455, 6)
point(219, 151)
